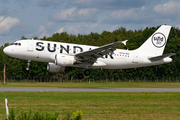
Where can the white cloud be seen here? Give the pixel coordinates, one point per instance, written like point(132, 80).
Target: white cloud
point(94, 25)
point(75, 15)
point(60, 30)
point(124, 14)
point(71, 29)
point(6, 39)
point(42, 32)
point(1, 18)
point(83, 16)
point(170, 8)
point(114, 27)
point(3, 11)
point(41, 29)
point(107, 4)
point(51, 25)
point(64, 15)
point(47, 3)
point(7, 24)
point(133, 15)
point(80, 29)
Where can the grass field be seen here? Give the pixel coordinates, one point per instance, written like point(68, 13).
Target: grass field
point(96, 84)
point(95, 106)
point(104, 106)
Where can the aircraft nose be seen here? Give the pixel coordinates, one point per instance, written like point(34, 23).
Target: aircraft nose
point(6, 50)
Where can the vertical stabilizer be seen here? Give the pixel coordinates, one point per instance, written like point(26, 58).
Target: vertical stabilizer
point(157, 41)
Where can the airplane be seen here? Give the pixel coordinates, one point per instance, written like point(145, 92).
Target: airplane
point(60, 55)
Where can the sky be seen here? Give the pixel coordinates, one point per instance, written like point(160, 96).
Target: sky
point(39, 18)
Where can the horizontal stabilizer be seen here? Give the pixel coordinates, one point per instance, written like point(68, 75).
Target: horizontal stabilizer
point(161, 57)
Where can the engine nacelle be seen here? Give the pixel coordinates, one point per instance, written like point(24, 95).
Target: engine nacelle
point(64, 60)
point(51, 67)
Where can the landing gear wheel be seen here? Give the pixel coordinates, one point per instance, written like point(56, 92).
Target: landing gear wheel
point(27, 68)
point(28, 64)
point(87, 72)
point(80, 76)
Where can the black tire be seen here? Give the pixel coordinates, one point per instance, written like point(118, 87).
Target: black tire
point(80, 76)
point(87, 72)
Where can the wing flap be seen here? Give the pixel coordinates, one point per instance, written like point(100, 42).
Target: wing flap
point(98, 52)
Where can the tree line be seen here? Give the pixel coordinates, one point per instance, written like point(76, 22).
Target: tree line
point(17, 68)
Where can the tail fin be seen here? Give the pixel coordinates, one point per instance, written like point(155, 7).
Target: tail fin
point(157, 41)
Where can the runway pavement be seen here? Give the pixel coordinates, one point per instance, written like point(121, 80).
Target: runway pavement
point(55, 89)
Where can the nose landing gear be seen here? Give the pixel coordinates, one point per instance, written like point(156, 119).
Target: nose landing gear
point(28, 64)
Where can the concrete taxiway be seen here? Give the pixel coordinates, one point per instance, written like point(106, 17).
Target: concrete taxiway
point(56, 89)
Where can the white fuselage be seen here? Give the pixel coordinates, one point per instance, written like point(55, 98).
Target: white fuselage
point(45, 51)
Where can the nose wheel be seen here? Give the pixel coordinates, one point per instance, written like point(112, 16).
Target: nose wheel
point(28, 64)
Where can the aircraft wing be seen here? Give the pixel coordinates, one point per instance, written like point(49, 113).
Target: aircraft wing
point(93, 54)
point(161, 56)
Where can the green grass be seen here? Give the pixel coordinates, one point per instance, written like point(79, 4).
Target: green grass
point(96, 84)
point(96, 106)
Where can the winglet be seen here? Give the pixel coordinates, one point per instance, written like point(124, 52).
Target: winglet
point(124, 42)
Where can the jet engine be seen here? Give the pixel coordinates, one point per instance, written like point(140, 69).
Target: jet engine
point(51, 67)
point(64, 60)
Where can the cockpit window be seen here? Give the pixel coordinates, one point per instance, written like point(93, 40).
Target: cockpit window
point(18, 44)
point(12, 44)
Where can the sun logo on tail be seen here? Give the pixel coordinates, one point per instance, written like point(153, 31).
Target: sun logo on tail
point(158, 40)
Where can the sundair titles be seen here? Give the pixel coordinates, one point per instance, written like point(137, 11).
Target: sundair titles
point(62, 49)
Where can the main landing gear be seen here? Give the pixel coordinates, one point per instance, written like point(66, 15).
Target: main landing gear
point(80, 76)
point(86, 73)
